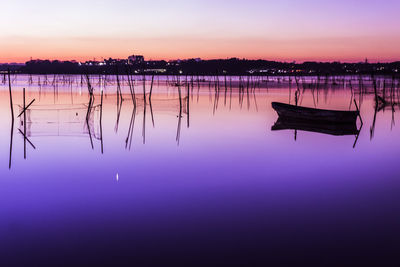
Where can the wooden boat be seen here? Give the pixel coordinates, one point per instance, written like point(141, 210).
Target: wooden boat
point(289, 112)
point(337, 129)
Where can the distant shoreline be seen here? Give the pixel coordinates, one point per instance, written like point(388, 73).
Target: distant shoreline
point(197, 67)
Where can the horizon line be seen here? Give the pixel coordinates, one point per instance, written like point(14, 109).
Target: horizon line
point(211, 59)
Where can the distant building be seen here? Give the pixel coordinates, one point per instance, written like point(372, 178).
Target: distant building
point(136, 59)
point(113, 62)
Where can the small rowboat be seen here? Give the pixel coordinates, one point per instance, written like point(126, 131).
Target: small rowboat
point(289, 112)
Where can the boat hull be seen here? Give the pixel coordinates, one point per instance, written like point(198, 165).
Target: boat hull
point(289, 112)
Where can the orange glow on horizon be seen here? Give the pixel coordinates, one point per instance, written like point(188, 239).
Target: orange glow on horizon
point(332, 49)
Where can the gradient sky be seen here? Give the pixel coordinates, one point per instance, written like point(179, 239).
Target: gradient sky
point(345, 30)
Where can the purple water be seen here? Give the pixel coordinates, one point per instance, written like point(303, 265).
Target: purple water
point(217, 188)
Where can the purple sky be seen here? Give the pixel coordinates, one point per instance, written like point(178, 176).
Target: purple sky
point(346, 30)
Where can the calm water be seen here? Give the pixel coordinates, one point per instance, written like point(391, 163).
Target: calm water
point(212, 186)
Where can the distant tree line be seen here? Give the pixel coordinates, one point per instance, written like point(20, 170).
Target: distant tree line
point(232, 66)
point(11, 67)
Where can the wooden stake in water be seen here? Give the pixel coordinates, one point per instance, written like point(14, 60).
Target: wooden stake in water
point(151, 107)
point(24, 126)
point(188, 107)
point(101, 122)
point(151, 87)
point(12, 118)
point(11, 100)
point(144, 88)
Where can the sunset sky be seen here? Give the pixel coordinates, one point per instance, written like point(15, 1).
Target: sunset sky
point(344, 30)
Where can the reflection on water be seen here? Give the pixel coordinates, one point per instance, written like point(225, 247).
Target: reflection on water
point(197, 167)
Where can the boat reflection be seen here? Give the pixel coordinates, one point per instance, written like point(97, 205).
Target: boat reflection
point(316, 127)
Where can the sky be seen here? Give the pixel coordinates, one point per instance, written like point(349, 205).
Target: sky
point(284, 30)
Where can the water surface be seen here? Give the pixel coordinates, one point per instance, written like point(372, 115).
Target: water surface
point(208, 183)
